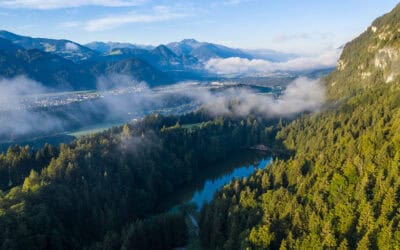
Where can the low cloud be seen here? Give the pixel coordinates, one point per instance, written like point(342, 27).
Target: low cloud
point(301, 95)
point(242, 66)
point(120, 98)
point(15, 118)
point(137, 99)
point(59, 4)
point(16, 87)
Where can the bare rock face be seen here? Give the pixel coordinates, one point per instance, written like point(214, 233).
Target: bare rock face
point(371, 58)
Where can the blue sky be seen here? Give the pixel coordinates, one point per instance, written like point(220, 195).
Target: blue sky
point(301, 26)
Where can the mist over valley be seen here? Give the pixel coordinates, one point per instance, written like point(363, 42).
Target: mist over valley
point(230, 124)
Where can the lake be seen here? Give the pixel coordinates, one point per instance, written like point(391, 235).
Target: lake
point(213, 178)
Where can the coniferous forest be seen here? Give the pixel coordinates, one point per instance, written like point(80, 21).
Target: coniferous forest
point(341, 188)
point(101, 191)
point(334, 182)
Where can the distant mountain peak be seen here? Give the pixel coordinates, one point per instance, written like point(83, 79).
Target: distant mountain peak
point(190, 41)
point(164, 52)
point(5, 33)
point(107, 47)
point(162, 47)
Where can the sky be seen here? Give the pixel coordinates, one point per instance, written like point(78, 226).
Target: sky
point(299, 26)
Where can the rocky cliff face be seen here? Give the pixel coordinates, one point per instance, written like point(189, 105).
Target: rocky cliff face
point(372, 59)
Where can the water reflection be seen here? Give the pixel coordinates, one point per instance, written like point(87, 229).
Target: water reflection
point(211, 186)
point(213, 178)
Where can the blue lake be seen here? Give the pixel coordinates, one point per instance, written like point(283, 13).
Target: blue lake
point(214, 177)
point(212, 185)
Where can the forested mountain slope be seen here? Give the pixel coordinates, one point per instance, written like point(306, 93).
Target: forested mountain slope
point(99, 191)
point(341, 189)
point(58, 73)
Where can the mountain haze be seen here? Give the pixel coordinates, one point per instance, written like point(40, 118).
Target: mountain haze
point(105, 48)
point(66, 65)
point(331, 146)
point(204, 51)
point(59, 67)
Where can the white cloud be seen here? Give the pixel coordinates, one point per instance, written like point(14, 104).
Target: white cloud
point(71, 46)
point(301, 95)
point(57, 4)
point(21, 121)
point(160, 13)
point(240, 66)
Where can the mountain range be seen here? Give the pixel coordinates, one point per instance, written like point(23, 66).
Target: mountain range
point(67, 65)
point(57, 72)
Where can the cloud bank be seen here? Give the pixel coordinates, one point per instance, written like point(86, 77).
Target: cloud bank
point(128, 99)
point(301, 95)
point(242, 66)
point(21, 120)
point(59, 4)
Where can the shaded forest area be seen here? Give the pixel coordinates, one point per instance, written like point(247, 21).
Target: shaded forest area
point(100, 191)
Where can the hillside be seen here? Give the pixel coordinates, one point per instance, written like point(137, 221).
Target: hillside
point(160, 57)
point(65, 65)
point(136, 68)
point(51, 70)
point(102, 191)
point(105, 48)
point(340, 188)
point(64, 48)
point(204, 51)
point(57, 73)
point(334, 182)
point(371, 59)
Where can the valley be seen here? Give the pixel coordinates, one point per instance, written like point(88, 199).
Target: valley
point(121, 128)
point(83, 112)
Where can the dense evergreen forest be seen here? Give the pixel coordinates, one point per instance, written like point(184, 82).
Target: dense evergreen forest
point(99, 192)
point(337, 187)
point(341, 188)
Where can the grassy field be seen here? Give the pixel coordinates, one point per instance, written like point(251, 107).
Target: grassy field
point(89, 131)
point(191, 125)
point(81, 133)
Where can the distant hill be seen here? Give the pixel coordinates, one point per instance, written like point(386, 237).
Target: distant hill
point(51, 70)
point(161, 57)
point(105, 48)
point(56, 72)
point(136, 68)
point(204, 51)
point(65, 48)
point(65, 64)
